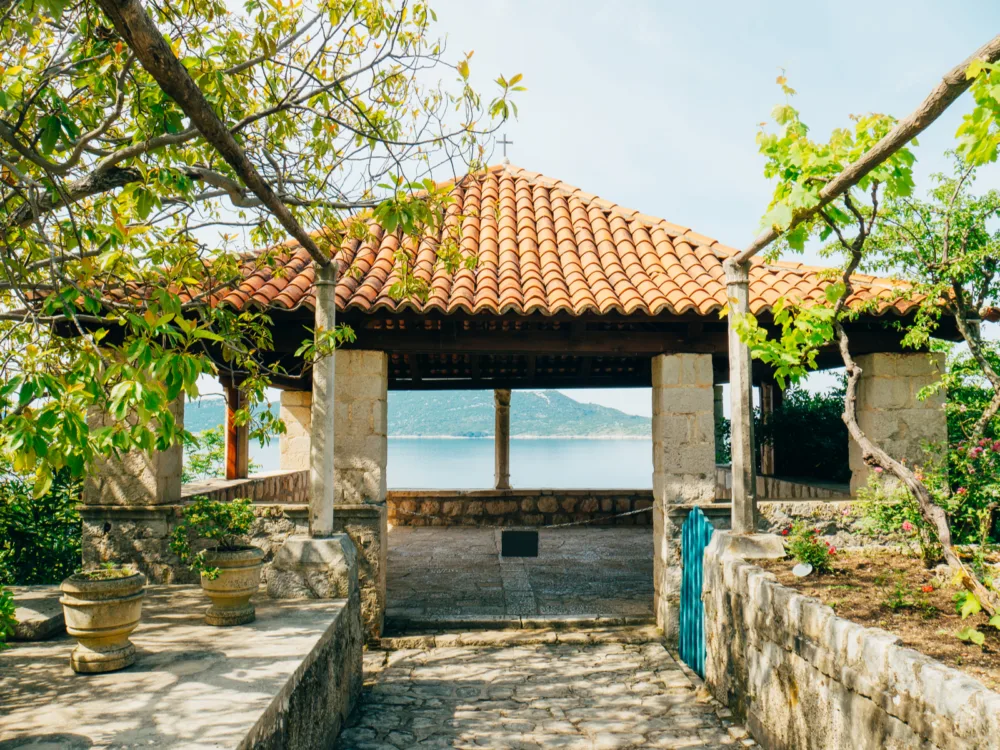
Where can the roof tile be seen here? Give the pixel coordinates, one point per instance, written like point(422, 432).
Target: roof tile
point(541, 245)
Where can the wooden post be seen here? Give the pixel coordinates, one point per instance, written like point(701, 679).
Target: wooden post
point(321, 466)
point(501, 442)
point(770, 399)
point(237, 437)
point(741, 403)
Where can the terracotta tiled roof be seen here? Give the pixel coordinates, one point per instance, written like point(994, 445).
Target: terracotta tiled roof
point(547, 247)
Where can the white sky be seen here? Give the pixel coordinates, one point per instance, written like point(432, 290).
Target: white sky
point(655, 105)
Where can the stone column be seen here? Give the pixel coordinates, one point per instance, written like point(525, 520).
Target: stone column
point(137, 479)
point(361, 446)
point(890, 413)
point(294, 445)
point(683, 466)
point(129, 506)
point(501, 440)
point(741, 404)
point(321, 462)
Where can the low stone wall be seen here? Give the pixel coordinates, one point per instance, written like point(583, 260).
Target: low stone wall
point(801, 677)
point(517, 507)
point(141, 536)
point(777, 488)
point(285, 487)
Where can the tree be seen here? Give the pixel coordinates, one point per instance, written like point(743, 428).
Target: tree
point(949, 260)
point(144, 149)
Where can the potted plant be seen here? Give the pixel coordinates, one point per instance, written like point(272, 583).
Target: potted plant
point(230, 568)
point(102, 607)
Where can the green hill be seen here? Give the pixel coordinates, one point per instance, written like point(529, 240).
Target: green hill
point(532, 413)
point(470, 414)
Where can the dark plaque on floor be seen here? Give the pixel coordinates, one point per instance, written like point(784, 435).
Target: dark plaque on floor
point(519, 543)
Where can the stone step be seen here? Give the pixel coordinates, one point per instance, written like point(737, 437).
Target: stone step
point(631, 634)
point(398, 624)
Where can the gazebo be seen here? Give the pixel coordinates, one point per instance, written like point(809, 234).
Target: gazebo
point(567, 290)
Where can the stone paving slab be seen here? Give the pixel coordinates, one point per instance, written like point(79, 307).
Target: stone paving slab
point(444, 572)
point(192, 686)
point(588, 696)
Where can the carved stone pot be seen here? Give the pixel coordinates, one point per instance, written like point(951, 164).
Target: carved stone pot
point(101, 614)
point(230, 591)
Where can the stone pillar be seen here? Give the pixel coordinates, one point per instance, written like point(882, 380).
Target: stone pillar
point(137, 479)
point(890, 413)
point(321, 449)
point(129, 505)
point(741, 404)
point(501, 440)
point(293, 446)
point(683, 467)
point(361, 445)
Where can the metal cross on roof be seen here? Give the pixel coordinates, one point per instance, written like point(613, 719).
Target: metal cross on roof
point(505, 143)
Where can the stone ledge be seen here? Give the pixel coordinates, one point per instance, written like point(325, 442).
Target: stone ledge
point(782, 660)
point(289, 679)
point(38, 613)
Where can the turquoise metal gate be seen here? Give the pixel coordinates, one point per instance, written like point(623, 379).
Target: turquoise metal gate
point(695, 536)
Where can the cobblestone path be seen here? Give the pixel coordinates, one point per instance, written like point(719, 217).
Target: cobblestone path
point(533, 697)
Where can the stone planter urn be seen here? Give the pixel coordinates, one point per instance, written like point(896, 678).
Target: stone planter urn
point(101, 611)
point(230, 591)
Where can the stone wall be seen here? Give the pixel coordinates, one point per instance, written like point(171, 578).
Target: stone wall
point(367, 526)
point(775, 488)
point(683, 466)
point(286, 487)
point(890, 413)
point(140, 536)
point(313, 707)
point(516, 507)
point(800, 677)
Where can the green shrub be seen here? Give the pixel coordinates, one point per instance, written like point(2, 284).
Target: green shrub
point(39, 537)
point(808, 434)
point(7, 619)
point(205, 457)
point(226, 524)
point(804, 544)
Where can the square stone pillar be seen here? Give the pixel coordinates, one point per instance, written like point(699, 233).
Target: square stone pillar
point(293, 446)
point(360, 436)
point(889, 411)
point(683, 466)
point(360, 443)
point(137, 479)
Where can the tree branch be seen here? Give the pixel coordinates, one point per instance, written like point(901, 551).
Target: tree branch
point(953, 84)
point(142, 35)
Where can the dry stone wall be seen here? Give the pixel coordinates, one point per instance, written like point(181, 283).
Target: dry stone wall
point(801, 677)
point(517, 507)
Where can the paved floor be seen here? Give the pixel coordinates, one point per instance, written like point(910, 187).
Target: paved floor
point(582, 697)
point(579, 571)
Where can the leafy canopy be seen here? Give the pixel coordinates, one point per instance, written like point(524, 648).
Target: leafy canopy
point(120, 226)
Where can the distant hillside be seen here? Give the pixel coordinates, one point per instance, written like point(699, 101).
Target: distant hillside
point(470, 414)
point(532, 413)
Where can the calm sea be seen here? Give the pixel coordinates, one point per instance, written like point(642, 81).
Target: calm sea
point(419, 463)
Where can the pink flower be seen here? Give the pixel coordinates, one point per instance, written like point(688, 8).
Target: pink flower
point(878, 469)
point(995, 447)
point(961, 491)
point(907, 526)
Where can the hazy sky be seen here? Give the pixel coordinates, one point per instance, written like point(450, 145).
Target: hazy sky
point(655, 105)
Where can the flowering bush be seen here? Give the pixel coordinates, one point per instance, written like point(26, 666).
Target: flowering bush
point(805, 546)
